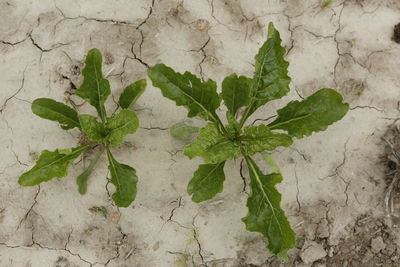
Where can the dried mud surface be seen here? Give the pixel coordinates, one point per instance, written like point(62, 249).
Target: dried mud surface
point(335, 182)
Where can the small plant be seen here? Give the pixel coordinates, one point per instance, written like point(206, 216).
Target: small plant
point(98, 135)
point(217, 142)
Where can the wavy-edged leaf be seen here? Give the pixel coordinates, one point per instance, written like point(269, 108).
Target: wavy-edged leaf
point(124, 178)
point(265, 214)
point(51, 164)
point(93, 129)
point(82, 179)
point(236, 92)
point(260, 138)
point(200, 98)
point(131, 93)
point(313, 114)
point(95, 88)
point(208, 180)
point(121, 124)
point(212, 146)
point(183, 131)
point(52, 110)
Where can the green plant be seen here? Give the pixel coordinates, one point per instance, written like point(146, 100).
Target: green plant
point(98, 135)
point(217, 142)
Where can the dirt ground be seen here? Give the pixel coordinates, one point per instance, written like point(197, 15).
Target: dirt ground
point(335, 181)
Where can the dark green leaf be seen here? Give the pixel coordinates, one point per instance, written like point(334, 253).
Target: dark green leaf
point(50, 164)
point(82, 179)
point(200, 98)
point(95, 89)
point(131, 93)
point(207, 181)
point(124, 178)
point(260, 138)
point(212, 146)
point(236, 92)
point(121, 124)
point(182, 131)
point(313, 114)
point(93, 129)
point(265, 214)
point(52, 110)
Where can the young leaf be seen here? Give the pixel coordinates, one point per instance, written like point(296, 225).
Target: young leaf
point(212, 146)
point(265, 214)
point(313, 114)
point(260, 138)
point(200, 98)
point(50, 164)
point(271, 163)
point(95, 89)
point(131, 93)
point(93, 129)
point(182, 131)
point(121, 124)
point(52, 110)
point(207, 181)
point(82, 179)
point(124, 178)
point(236, 92)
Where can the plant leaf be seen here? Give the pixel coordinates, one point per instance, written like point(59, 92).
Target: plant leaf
point(124, 178)
point(212, 146)
point(260, 138)
point(93, 129)
point(131, 93)
point(200, 98)
point(265, 214)
point(207, 181)
point(95, 88)
point(50, 164)
point(82, 179)
point(313, 114)
point(121, 124)
point(271, 80)
point(52, 110)
point(183, 131)
point(271, 163)
point(236, 92)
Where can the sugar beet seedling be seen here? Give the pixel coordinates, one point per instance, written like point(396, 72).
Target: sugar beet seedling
point(217, 142)
point(110, 131)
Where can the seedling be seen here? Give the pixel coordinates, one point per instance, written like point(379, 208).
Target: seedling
point(98, 135)
point(217, 142)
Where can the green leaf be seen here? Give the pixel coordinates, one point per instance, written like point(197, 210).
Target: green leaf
point(131, 93)
point(94, 89)
point(313, 114)
point(212, 146)
point(271, 163)
point(200, 98)
point(260, 138)
point(236, 92)
point(265, 214)
point(182, 131)
point(121, 124)
point(124, 178)
point(207, 181)
point(82, 179)
point(93, 129)
point(52, 110)
point(50, 164)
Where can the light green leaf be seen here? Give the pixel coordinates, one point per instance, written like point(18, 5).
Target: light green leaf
point(265, 214)
point(124, 178)
point(182, 131)
point(82, 179)
point(207, 181)
point(212, 146)
point(52, 110)
point(50, 164)
point(93, 129)
point(121, 124)
point(260, 138)
point(131, 93)
point(313, 114)
point(236, 92)
point(200, 98)
point(271, 163)
point(94, 89)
